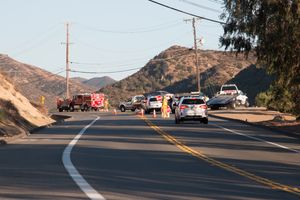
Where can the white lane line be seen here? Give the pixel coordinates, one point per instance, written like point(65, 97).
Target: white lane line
point(257, 139)
point(76, 176)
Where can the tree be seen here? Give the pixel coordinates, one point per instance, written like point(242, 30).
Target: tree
point(271, 28)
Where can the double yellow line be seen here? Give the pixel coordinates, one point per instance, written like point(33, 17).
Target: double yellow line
point(183, 147)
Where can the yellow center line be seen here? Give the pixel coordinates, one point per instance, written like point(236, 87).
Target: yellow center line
point(198, 154)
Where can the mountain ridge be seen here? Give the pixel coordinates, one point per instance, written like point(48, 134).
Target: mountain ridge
point(171, 67)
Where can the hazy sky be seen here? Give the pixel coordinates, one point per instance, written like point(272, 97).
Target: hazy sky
point(106, 35)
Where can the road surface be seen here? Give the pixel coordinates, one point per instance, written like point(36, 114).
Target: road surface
point(101, 156)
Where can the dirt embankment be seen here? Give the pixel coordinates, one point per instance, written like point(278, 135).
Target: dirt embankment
point(17, 114)
point(261, 116)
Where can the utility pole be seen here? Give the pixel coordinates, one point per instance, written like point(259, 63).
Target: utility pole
point(67, 63)
point(196, 49)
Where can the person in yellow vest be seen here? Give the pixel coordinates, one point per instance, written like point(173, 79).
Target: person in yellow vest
point(42, 100)
point(106, 105)
point(164, 107)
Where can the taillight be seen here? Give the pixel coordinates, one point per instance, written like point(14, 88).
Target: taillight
point(182, 107)
point(203, 107)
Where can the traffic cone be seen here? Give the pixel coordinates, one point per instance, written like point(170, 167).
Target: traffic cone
point(154, 114)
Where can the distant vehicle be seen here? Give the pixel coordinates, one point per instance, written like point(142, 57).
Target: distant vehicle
point(191, 108)
point(229, 96)
point(175, 101)
point(152, 103)
point(83, 102)
point(176, 98)
point(132, 104)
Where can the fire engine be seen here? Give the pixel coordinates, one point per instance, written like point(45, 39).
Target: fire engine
point(83, 102)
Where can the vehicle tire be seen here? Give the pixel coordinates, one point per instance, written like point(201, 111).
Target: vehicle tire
point(233, 105)
point(122, 108)
point(86, 108)
point(60, 110)
point(204, 120)
point(132, 110)
point(247, 104)
point(147, 111)
point(71, 108)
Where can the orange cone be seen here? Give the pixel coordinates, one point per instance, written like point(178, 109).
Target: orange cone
point(154, 114)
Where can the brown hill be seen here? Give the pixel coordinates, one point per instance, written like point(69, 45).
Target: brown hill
point(252, 80)
point(174, 70)
point(33, 82)
point(98, 82)
point(17, 115)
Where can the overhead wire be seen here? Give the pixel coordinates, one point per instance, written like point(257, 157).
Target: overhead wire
point(201, 6)
point(146, 30)
point(36, 43)
point(187, 13)
point(80, 42)
point(104, 72)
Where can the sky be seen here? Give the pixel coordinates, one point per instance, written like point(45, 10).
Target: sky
point(108, 37)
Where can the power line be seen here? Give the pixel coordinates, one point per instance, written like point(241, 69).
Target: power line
point(80, 42)
point(181, 11)
point(107, 72)
point(201, 6)
point(131, 32)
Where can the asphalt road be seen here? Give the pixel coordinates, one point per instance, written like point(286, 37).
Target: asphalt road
point(127, 157)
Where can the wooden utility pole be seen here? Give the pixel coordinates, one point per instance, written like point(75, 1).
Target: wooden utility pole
point(196, 54)
point(67, 63)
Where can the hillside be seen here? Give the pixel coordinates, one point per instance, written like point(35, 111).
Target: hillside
point(17, 115)
point(252, 80)
point(33, 82)
point(79, 79)
point(97, 82)
point(174, 70)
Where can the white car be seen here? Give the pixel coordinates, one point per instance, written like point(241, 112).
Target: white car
point(152, 103)
point(191, 108)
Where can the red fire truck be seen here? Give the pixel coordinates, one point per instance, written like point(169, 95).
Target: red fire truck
point(83, 102)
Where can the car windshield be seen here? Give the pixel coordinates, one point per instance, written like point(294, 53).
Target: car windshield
point(229, 88)
point(152, 99)
point(192, 101)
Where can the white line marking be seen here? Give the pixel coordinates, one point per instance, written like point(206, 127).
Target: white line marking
point(257, 139)
point(76, 176)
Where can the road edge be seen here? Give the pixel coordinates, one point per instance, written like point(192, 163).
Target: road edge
point(287, 133)
point(58, 119)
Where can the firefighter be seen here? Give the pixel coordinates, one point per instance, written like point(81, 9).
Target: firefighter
point(106, 105)
point(164, 107)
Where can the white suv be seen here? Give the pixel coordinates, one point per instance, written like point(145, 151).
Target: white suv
point(191, 108)
point(152, 103)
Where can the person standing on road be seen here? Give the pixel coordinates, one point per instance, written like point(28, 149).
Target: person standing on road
point(106, 105)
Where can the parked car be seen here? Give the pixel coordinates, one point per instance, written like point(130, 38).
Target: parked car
point(191, 108)
point(228, 97)
point(152, 103)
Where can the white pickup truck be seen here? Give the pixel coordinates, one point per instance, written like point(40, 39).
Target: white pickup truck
point(229, 96)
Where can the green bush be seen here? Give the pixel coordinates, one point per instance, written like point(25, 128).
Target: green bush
point(277, 98)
